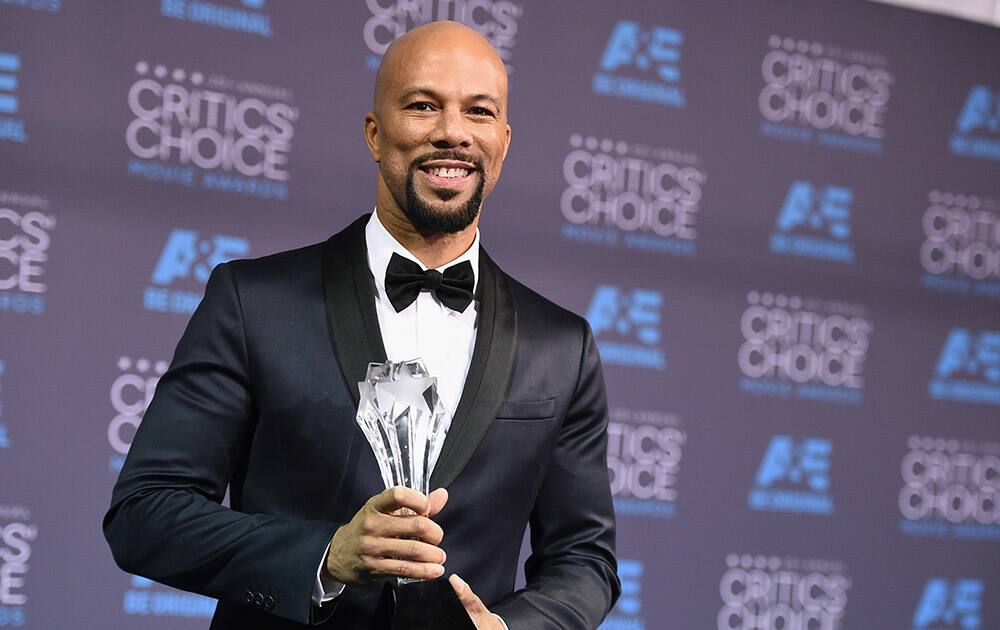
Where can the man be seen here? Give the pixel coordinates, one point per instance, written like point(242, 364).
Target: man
point(262, 394)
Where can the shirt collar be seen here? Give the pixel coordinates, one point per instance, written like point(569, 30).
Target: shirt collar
point(382, 245)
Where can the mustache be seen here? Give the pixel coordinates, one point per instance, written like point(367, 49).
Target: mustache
point(447, 154)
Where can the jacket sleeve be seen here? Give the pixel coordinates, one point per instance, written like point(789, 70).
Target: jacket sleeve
point(571, 574)
point(166, 521)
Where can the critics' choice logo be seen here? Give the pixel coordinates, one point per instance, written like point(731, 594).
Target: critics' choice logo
point(11, 125)
point(977, 130)
point(803, 348)
point(644, 457)
point(631, 195)
point(786, 593)
point(961, 248)
point(815, 222)
point(628, 326)
point(183, 269)
point(822, 94)
point(794, 476)
point(210, 131)
point(968, 368)
point(951, 489)
point(131, 392)
point(947, 603)
point(627, 613)
point(245, 16)
point(24, 243)
point(17, 535)
point(147, 598)
point(642, 63)
point(496, 20)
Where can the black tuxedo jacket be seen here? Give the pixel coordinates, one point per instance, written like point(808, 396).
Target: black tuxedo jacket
point(261, 398)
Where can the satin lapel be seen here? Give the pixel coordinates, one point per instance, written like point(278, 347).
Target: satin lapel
point(488, 377)
point(350, 304)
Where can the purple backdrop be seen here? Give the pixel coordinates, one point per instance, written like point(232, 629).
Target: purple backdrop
point(780, 218)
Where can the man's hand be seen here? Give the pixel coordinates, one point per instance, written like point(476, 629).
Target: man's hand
point(480, 614)
point(391, 535)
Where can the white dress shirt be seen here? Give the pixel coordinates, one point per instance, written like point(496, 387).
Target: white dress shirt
point(426, 329)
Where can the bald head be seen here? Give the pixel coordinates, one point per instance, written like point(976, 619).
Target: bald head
point(435, 38)
point(438, 129)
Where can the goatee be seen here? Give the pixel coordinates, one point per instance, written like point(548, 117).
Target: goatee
point(429, 219)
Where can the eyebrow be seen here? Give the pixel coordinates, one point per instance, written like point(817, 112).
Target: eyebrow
point(407, 95)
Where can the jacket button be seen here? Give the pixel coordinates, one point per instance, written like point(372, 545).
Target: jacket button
point(248, 596)
point(258, 599)
point(269, 602)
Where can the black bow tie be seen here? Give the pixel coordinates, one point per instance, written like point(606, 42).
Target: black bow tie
point(404, 280)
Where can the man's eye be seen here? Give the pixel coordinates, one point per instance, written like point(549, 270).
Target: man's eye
point(420, 106)
point(481, 111)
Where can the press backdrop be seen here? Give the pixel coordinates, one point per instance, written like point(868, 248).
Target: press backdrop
point(782, 220)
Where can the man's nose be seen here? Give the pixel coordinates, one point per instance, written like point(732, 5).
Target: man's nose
point(450, 130)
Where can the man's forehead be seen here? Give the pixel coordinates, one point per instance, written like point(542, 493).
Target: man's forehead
point(443, 54)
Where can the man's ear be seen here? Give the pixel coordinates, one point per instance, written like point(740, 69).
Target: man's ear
point(371, 136)
point(506, 144)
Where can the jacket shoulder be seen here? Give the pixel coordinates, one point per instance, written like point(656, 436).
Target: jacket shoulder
point(534, 309)
point(281, 267)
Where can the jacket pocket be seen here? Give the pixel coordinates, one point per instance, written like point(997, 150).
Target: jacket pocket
point(527, 410)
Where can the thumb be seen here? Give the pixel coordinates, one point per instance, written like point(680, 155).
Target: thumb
point(473, 605)
point(436, 501)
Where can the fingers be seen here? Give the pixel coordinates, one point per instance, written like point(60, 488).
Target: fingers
point(416, 527)
point(473, 605)
point(404, 568)
point(391, 499)
point(409, 550)
point(436, 501)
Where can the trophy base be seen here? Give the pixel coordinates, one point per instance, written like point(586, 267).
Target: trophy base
point(430, 604)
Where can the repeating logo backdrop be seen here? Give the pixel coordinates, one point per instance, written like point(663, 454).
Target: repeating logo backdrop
point(780, 218)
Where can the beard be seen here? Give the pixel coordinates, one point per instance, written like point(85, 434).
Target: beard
point(431, 218)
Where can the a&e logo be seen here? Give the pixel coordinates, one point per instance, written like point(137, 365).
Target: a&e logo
point(131, 392)
point(11, 127)
point(794, 476)
point(968, 368)
point(949, 604)
point(188, 259)
point(815, 222)
point(642, 64)
point(977, 130)
point(147, 598)
point(4, 438)
point(628, 326)
point(627, 614)
point(248, 18)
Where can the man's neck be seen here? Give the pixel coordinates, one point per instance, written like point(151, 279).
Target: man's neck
point(432, 250)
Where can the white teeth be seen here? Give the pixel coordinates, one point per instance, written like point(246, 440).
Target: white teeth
point(449, 172)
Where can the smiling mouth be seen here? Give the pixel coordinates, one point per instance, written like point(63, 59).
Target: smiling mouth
point(452, 175)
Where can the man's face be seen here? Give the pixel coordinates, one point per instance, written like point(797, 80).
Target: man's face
point(440, 132)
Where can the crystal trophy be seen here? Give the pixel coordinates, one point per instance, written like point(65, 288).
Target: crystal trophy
point(404, 421)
